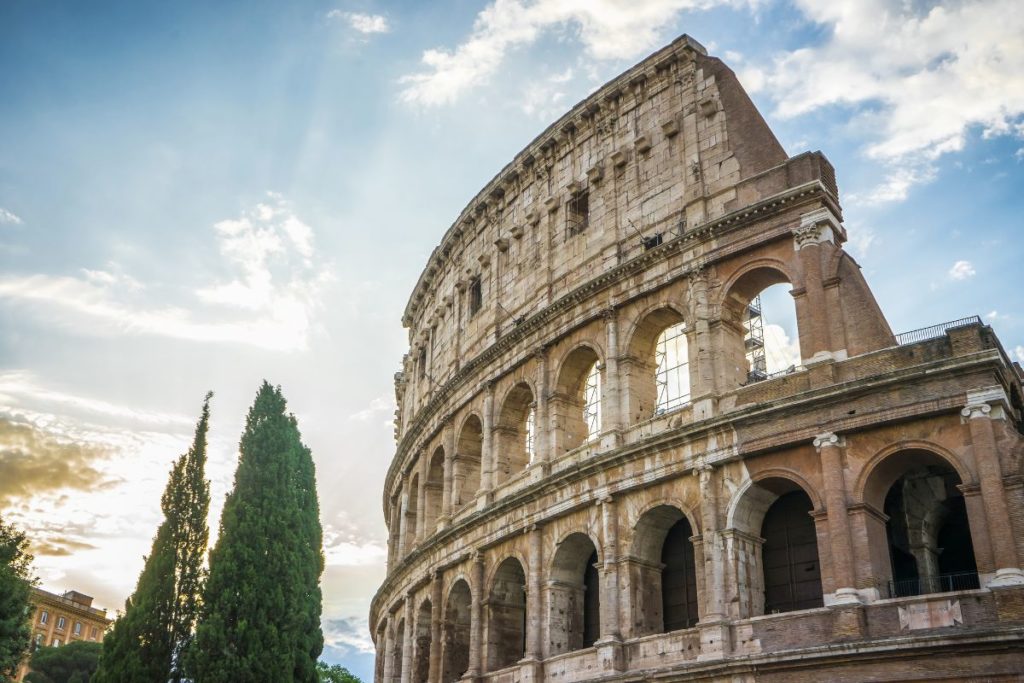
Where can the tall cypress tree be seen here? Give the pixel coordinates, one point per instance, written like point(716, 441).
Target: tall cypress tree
point(260, 620)
point(147, 642)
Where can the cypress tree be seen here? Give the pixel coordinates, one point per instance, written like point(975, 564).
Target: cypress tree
point(260, 619)
point(146, 643)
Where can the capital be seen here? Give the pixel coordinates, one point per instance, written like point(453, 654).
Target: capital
point(816, 227)
point(828, 439)
point(976, 410)
point(610, 314)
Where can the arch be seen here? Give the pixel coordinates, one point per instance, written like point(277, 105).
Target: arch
point(574, 595)
point(751, 354)
point(663, 571)
point(455, 632)
point(433, 492)
point(656, 368)
point(412, 507)
point(775, 543)
point(572, 428)
point(515, 429)
point(874, 480)
point(926, 528)
point(506, 615)
point(421, 657)
point(466, 465)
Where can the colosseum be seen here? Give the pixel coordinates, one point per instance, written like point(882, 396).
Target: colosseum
point(602, 475)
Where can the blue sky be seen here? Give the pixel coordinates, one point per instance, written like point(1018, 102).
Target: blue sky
point(198, 196)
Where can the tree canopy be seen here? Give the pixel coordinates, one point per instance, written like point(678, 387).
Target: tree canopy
point(15, 589)
point(146, 642)
point(261, 607)
point(71, 663)
point(335, 674)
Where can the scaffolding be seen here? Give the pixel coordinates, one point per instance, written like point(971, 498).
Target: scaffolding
point(753, 341)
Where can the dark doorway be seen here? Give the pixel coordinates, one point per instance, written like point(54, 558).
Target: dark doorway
point(792, 574)
point(678, 578)
point(591, 602)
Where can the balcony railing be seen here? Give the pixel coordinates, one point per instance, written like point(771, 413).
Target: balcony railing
point(935, 331)
point(943, 583)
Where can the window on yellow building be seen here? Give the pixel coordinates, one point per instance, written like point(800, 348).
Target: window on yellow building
point(60, 623)
point(44, 617)
point(78, 628)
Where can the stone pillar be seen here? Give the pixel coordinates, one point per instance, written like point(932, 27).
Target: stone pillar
point(476, 628)
point(421, 498)
point(610, 656)
point(715, 639)
point(436, 596)
point(448, 442)
point(487, 459)
point(407, 641)
point(541, 437)
point(990, 477)
point(702, 380)
point(816, 229)
point(403, 522)
point(535, 604)
point(389, 656)
point(830, 446)
point(611, 408)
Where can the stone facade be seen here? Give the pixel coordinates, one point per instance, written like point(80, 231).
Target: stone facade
point(62, 619)
point(553, 516)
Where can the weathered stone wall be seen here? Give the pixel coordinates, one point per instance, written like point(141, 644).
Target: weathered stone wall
point(517, 560)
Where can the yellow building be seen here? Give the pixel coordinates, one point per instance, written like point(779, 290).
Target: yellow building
point(61, 619)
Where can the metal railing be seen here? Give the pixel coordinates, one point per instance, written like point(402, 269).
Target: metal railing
point(943, 583)
point(935, 331)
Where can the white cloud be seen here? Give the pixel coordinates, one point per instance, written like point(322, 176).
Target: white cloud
point(367, 24)
point(962, 270)
point(1018, 351)
point(382, 405)
point(860, 240)
point(780, 351)
point(608, 29)
point(269, 302)
point(8, 217)
point(923, 75)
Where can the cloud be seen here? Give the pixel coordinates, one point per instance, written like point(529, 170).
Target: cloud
point(962, 270)
point(8, 218)
point(380, 406)
point(1018, 351)
point(367, 24)
point(780, 351)
point(608, 29)
point(922, 75)
point(269, 301)
point(350, 634)
point(33, 461)
point(56, 546)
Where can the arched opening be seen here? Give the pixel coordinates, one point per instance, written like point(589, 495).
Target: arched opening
point(410, 513)
point(656, 369)
point(396, 652)
point(574, 595)
point(433, 492)
point(792, 572)
point(468, 451)
point(421, 658)
point(775, 544)
point(663, 575)
point(576, 403)
point(456, 628)
point(516, 427)
point(927, 533)
point(764, 339)
point(506, 616)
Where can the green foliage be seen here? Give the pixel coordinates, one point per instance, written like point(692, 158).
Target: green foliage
point(335, 674)
point(72, 663)
point(261, 614)
point(147, 641)
point(15, 588)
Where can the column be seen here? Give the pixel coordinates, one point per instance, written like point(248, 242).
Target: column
point(610, 605)
point(448, 442)
point(830, 446)
point(534, 591)
point(421, 498)
point(476, 630)
point(407, 641)
point(715, 639)
point(990, 476)
point(816, 229)
point(487, 447)
point(702, 381)
point(611, 408)
point(403, 521)
point(389, 658)
point(436, 596)
point(541, 439)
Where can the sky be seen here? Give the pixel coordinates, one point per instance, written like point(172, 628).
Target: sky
point(198, 196)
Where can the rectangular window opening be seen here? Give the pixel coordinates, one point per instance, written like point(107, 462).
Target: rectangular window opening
point(476, 297)
point(577, 214)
